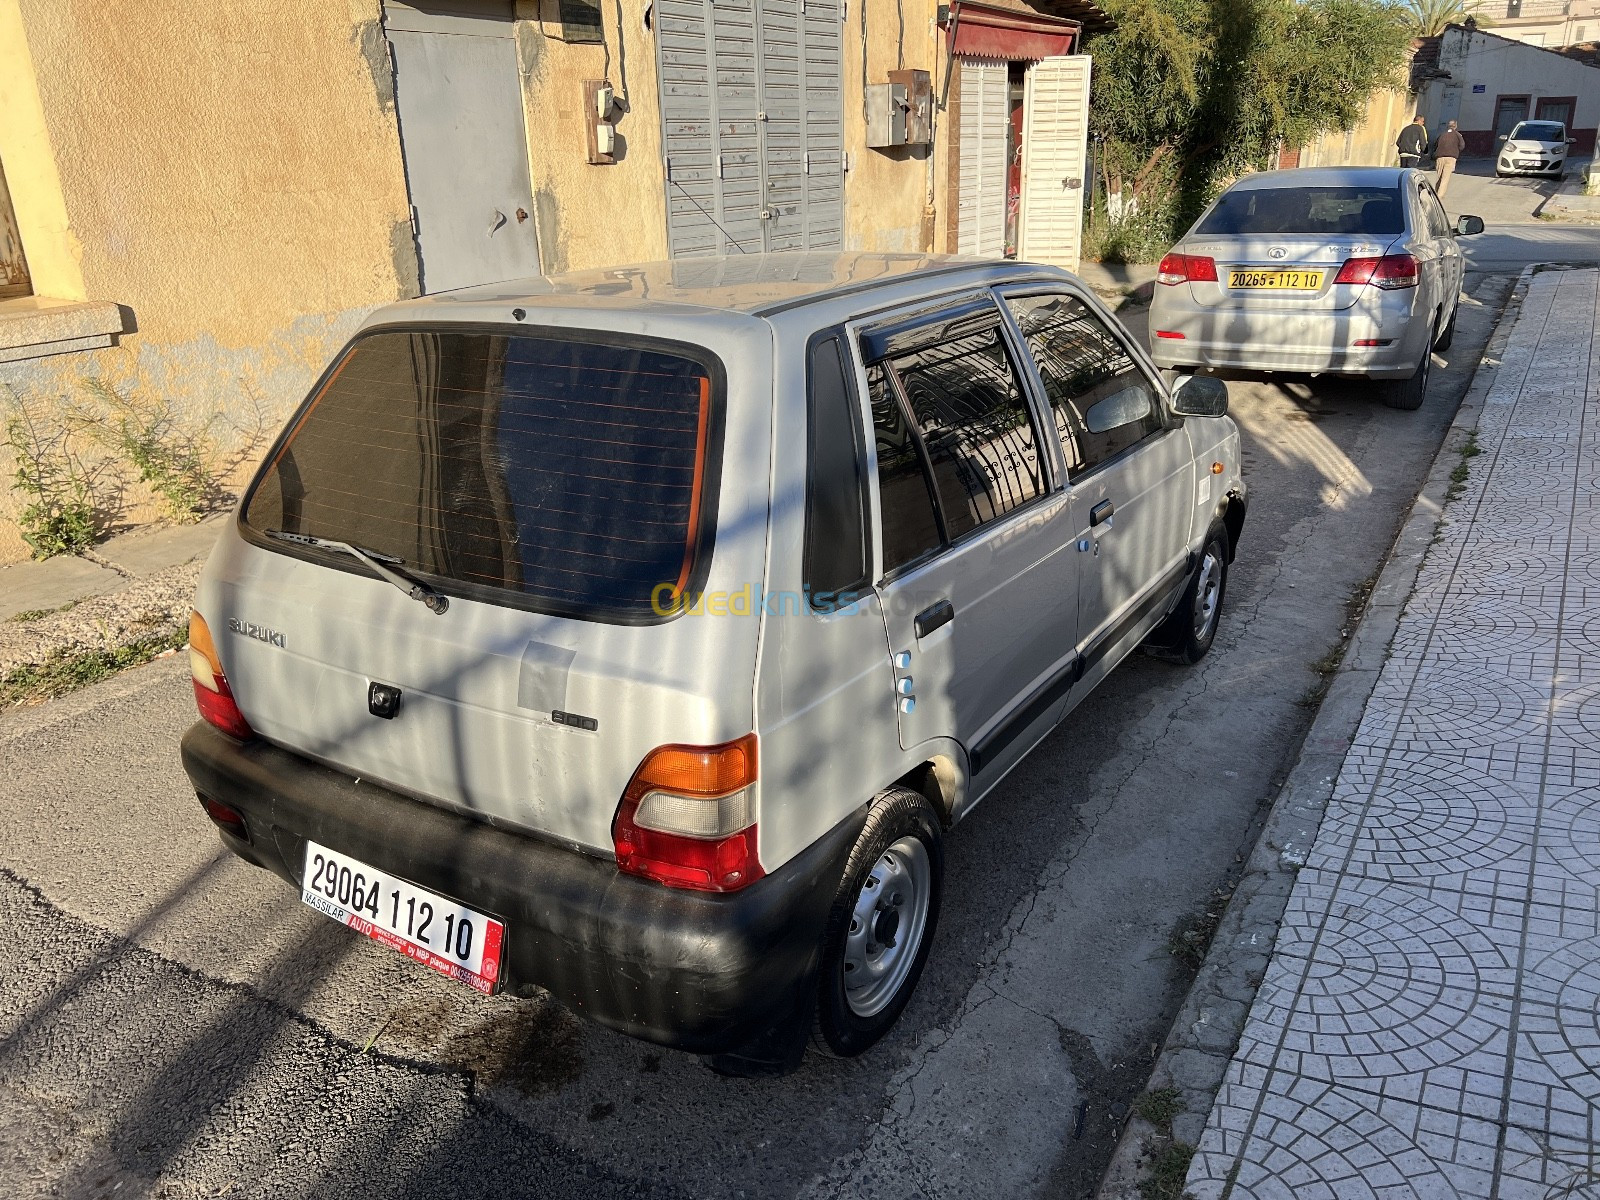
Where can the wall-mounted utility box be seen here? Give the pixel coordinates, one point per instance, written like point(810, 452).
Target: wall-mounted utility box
point(886, 115)
point(918, 87)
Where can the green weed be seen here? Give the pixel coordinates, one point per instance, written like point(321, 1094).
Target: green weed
point(1169, 1167)
point(146, 433)
point(59, 513)
point(64, 673)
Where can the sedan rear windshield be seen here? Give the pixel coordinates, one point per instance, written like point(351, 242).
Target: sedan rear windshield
point(1307, 210)
point(556, 474)
point(1539, 131)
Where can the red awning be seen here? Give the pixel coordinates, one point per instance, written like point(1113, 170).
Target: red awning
point(983, 31)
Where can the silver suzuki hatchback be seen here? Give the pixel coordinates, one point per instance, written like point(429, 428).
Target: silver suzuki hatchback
point(639, 635)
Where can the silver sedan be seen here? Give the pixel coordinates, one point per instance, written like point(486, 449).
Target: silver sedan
point(1347, 270)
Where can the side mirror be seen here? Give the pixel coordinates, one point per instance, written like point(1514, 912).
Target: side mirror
point(1572, 141)
point(1501, 138)
point(1200, 396)
point(1467, 226)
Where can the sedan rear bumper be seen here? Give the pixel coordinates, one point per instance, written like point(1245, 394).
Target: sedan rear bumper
point(1186, 335)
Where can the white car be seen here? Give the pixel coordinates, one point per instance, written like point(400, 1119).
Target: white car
point(1534, 148)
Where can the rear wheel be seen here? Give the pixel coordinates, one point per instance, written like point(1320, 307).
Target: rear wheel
point(881, 925)
point(1449, 333)
point(1408, 394)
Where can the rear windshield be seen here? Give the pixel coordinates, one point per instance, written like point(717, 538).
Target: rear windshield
point(571, 475)
point(1539, 131)
point(1313, 210)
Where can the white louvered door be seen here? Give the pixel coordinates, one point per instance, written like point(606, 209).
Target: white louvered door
point(981, 180)
point(1055, 131)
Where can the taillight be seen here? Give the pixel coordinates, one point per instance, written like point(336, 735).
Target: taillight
point(687, 818)
point(1390, 272)
point(211, 693)
point(1186, 268)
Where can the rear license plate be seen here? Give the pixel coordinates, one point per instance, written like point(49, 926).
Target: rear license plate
point(1282, 281)
point(452, 939)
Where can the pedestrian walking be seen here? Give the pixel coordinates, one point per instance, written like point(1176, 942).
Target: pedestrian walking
point(1445, 152)
point(1412, 142)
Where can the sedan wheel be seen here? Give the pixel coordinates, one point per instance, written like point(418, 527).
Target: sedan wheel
point(1408, 394)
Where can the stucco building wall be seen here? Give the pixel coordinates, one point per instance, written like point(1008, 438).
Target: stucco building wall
point(228, 176)
point(1505, 67)
point(593, 215)
point(1371, 142)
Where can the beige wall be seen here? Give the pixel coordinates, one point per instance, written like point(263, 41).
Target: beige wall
point(1371, 142)
point(888, 194)
point(593, 216)
point(229, 173)
point(200, 146)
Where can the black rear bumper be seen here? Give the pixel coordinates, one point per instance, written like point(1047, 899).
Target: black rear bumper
point(698, 972)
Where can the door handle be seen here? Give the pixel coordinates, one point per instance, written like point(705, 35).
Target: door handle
point(934, 616)
point(1100, 514)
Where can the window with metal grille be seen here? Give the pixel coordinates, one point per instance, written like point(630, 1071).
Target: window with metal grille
point(549, 473)
point(949, 392)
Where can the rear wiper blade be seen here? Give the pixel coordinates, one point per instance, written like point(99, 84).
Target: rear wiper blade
point(375, 562)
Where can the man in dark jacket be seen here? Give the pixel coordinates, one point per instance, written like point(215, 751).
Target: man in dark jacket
point(1412, 142)
point(1449, 148)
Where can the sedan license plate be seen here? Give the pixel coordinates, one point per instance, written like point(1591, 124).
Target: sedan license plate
point(449, 937)
point(1280, 281)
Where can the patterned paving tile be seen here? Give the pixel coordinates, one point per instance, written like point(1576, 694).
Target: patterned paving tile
point(1425, 817)
point(1429, 1024)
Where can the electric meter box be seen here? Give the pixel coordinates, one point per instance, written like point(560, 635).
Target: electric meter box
point(886, 115)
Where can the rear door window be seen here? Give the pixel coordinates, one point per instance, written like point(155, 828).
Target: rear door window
point(1306, 210)
point(546, 472)
point(947, 392)
point(1433, 211)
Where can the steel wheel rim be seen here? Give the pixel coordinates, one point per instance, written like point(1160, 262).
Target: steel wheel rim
point(1208, 593)
point(887, 921)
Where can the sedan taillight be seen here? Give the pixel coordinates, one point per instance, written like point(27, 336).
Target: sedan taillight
point(1186, 268)
point(1391, 272)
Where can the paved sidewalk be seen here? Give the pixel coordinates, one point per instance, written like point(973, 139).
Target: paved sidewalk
point(1428, 1024)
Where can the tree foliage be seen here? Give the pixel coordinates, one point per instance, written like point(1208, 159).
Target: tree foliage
point(1188, 93)
point(1427, 18)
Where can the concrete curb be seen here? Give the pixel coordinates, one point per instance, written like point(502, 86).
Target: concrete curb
point(1206, 1031)
point(1571, 203)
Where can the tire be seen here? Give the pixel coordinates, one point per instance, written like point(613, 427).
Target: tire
point(1187, 633)
point(1448, 335)
point(891, 891)
point(1408, 394)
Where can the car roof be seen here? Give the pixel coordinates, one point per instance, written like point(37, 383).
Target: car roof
point(1300, 177)
point(753, 284)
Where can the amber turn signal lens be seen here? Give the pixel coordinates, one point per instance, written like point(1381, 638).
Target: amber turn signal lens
point(699, 770)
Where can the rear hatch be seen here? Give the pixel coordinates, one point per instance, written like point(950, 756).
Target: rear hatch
point(1281, 248)
point(561, 491)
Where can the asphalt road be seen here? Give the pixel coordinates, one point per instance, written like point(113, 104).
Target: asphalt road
point(174, 1023)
